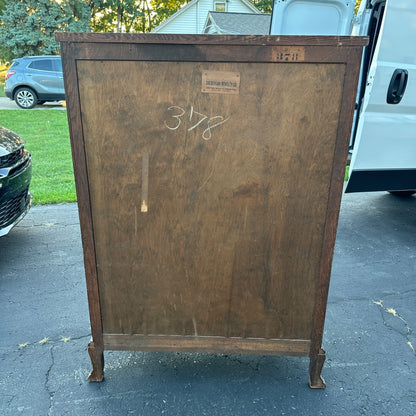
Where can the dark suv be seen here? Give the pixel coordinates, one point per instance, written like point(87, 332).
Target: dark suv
point(15, 175)
point(33, 80)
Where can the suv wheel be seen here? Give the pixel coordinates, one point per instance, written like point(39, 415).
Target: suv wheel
point(25, 98)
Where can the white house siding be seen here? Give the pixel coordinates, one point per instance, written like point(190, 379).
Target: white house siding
point(185, 23)
point(237, 7)
point(192, 18)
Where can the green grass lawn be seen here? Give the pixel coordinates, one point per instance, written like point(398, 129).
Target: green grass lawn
point(47, 139)
point(2, 89)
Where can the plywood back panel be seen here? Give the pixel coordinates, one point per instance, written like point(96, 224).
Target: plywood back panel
point(209, 208)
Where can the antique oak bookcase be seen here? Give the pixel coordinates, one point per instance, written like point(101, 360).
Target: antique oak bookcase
point(209, 173)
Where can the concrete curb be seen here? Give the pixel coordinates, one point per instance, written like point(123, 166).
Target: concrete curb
point(7, 104)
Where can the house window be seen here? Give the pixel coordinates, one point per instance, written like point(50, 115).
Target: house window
point(220, 6)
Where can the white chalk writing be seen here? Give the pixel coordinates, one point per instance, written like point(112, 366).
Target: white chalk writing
point(196, 119)
point(175, 116)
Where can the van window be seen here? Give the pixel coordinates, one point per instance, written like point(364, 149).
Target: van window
point(374, 30)
point(376, 20)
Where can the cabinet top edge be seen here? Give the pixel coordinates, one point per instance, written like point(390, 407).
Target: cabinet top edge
point(237, 40)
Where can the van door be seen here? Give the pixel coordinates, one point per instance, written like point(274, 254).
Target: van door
point(312, 17)
point(384, 154)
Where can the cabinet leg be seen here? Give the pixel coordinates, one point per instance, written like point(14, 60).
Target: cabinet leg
point(97, 360)
point(315, 369)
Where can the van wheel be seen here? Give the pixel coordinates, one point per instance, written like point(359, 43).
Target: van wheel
point(403, 194)
point(25, 98)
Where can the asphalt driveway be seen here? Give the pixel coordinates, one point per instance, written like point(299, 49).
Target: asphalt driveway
point(369, 333)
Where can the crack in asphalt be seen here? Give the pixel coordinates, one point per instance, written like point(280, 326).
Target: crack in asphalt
point(53, 341)
point(47, 388)
point(393, 313)
point(335, 299)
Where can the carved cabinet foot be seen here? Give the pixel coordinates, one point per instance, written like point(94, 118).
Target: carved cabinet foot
point(315, 369)
point(97, 360)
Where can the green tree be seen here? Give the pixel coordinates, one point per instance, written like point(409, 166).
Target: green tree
point(27, 27)
point(131, 15)
point(164, 9)
point(265, 6)
point(114, 15)
point(3, 51)
point(141, 15)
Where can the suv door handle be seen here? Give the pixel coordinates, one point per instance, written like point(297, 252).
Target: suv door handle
point(397, 86)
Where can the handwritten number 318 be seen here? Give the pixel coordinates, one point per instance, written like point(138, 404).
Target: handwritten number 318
point(201, 120)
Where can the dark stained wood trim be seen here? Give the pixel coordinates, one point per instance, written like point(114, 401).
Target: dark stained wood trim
point(204, 53)
point(156, 38)
point(207, 344)
point(334, 198)
point(83, 195)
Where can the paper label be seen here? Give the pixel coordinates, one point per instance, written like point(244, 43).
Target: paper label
point(221, 82)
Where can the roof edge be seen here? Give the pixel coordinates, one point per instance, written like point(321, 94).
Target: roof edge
point(190, 4)
point(174, 15)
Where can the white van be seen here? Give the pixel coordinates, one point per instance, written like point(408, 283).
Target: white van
point(383, 140)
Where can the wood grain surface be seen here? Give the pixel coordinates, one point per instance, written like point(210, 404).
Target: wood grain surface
point(237, 188)
point(209, 173)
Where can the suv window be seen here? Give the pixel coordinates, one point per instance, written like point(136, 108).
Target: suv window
point(42, 65)
point(57, 65)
